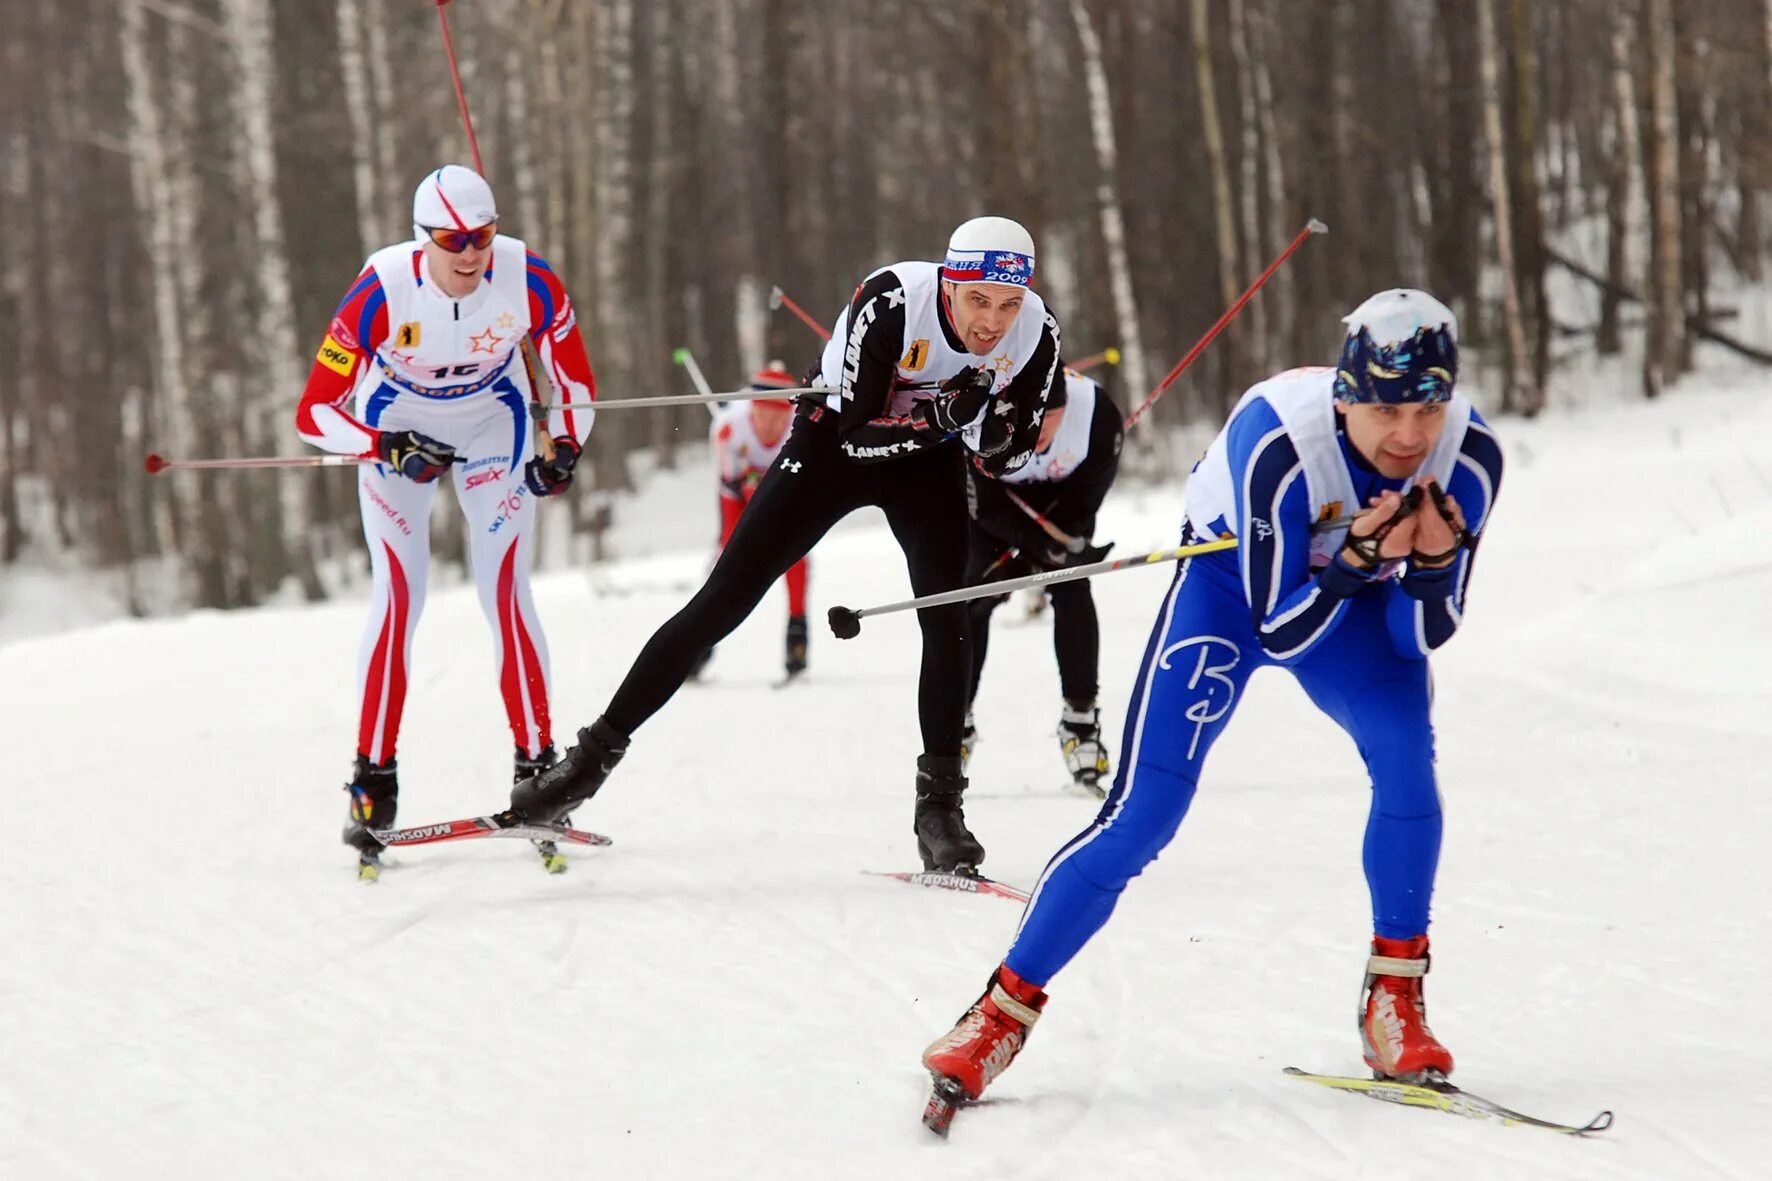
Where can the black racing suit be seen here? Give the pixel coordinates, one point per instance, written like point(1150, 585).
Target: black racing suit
point(1008, 543)
point(832, 464)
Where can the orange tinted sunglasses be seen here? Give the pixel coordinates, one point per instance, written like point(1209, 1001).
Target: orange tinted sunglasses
point(456, 241)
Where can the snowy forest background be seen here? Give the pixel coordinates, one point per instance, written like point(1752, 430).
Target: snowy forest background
point(191, 185)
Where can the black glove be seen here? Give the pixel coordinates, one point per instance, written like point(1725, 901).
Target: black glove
point(1461, 537)
point(1054, 556)
point(998, 431)
point(550, 477)
point(962, 396)
point(419, 458)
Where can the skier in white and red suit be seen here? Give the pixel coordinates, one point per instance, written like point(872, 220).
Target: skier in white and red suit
point(747, 436)
point(421, 369)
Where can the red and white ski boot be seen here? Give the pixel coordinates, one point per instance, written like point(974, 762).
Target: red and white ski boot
point(1393, 1016)
point(966, 1059)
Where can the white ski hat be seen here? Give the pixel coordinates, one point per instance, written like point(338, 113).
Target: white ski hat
point(990, 250)
point(1396, 315)
point(452, 198)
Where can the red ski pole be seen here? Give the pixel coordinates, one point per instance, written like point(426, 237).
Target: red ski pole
point(779, 298)
point(544, 442)
point(1313, 226)
point(461, 96)
point(157, 463)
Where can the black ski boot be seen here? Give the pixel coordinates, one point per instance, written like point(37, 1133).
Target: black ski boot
point(524, 767)
point(546, 798)
point(375, 802)
point(943, 840)
point(797, 634)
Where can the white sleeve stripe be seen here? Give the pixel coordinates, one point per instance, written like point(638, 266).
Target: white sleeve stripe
point(1273, 588)
point(1482, 475)
point(1328, 621)
point(1248, 472)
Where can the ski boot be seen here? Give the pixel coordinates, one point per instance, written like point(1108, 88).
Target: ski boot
point(943, 840)
point(1393, 1016)
point(982, 1044)
point(375, 802)
point(968, 743)
point(547, 797)
point(796, 654)
point(1079, 738)
point(523, 768)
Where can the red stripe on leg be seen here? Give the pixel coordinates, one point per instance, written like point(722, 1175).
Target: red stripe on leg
point(401, 615)
point(384, 688)
point(510, 678)
point(533, 674)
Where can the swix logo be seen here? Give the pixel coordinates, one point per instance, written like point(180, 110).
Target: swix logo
point(791, 465)
point(479, 478)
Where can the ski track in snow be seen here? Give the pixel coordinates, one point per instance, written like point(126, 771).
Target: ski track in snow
point(195, 983)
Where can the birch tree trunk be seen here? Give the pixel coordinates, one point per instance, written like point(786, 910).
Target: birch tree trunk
point(364, 165)
point(248, 23)
point(1133, 362)
point(394, 187)
point(1518, 369)
point(546, 30)
point(1259, 346)
point(1282, 285)
point(14, 190)
point(1623, 213)
point(1235, 369)
point(1525, 193)
point(1667, 354)
point(154, 207)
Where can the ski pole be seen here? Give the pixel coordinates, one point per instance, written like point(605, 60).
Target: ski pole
point(779, 298)
point(1313, 226)
point(846, 622)
point(686, 359)
point(1071, 544)
point(1107, 356)
point(157, 463)
point(538, 410)
point(703, 399)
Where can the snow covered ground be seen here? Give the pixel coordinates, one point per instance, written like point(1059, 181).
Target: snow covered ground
point(194, 983)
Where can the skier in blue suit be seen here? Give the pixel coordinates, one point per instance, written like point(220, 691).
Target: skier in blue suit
point(1352, 611)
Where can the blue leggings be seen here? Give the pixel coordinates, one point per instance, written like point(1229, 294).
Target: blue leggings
point(1200, 656)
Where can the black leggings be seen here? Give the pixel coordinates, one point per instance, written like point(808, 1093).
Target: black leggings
point(810, 487)
point(1076, 633)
